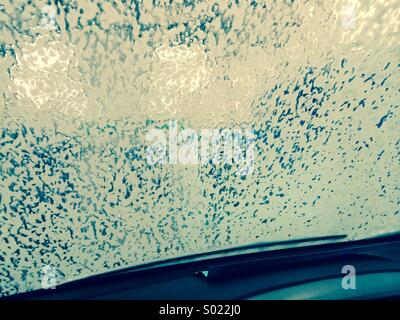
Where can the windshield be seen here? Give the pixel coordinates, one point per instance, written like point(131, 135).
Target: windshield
point(135, 131)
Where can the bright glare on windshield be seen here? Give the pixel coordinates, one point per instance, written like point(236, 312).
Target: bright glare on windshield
point(134, 131)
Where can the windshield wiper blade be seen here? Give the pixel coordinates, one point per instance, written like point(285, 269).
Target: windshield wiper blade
point(268, 246)
point(232, 252)
point(283, 243)
point(389, 234)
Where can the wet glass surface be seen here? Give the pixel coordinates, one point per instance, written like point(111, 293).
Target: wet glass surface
point(82, 83)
